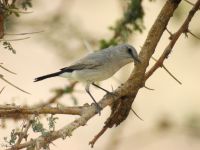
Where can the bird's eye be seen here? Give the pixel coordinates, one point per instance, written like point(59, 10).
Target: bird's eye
point(129, 51)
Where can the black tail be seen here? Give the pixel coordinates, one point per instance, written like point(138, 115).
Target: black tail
point(47, 76)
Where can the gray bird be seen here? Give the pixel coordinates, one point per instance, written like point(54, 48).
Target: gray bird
point(97, 66)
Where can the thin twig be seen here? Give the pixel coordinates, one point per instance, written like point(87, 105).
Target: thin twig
point(2, 89)
point(136, 114)
point(1, 77)
point(189, 2)
point(96, 137)
point(193, 35)
point(170, 33)
point(148, 88)
point(163, 66)
point(7, 69)
point(19, 39)
point(35, 32)
point(19, 11)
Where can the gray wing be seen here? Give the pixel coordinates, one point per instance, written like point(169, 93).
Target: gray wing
point(90, 61)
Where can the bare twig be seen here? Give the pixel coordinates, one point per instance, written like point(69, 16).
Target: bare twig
point(1, 66)
point(136, 114)
point(170, 33)
point(96, 137)
point(18, 39)
point(2, 89)
point(1, 77)
point(148, 88)
point(163, 66)
point(26, 33)
point(189, 2)
point(193, 35)
point(19, 11)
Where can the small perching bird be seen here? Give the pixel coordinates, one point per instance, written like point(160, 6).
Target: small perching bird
point(97, 66)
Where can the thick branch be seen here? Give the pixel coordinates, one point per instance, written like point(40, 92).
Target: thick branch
point(9, 111)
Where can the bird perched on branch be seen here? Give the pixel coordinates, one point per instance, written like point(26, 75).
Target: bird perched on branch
point(97, 66)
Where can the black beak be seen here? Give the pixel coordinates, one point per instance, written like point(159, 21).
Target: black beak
point(136, 59)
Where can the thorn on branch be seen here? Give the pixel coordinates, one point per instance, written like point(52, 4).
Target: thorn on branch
point(1, 77)
point(170, 33)
point(7, 69)
point(19, 39)
point(148, 88)
point(193, 35)
point(163, 66)
point(2, 89)
point(136, 114)
point(26, 33)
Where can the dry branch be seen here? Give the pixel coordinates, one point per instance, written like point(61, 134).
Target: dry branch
point(2, 78)
point(8, 111)
point(174, 38)
point(126, 92)
point(1, 66)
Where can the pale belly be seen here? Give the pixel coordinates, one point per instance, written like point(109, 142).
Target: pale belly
point(88, 75)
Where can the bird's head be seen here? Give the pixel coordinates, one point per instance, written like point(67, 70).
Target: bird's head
point(129, 52)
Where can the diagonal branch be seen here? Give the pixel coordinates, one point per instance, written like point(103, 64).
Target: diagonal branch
point(175, 36)
point(1, 66)
point(2, 89)
point(1, 77)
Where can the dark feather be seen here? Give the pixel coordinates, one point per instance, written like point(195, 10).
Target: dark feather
point(48, 76)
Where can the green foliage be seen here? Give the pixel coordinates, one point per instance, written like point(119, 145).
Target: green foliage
point(14, 7)
point(51, 122)
point(37, 126)
point(26, 4)
point(10, 10)
point(13, 137)
point(9, 47)
point(132, 21)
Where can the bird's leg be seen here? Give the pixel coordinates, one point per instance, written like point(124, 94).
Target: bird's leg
point(102, 89)
point(97, 105)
